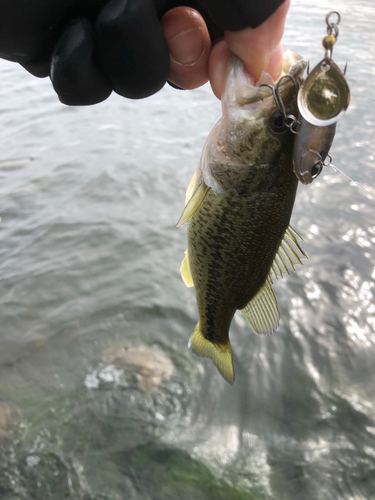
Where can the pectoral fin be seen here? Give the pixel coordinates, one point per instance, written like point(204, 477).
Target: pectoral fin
point(262, 312)
point(221, 354)
point(194, 204)
point(191, 186)
point(185, 271)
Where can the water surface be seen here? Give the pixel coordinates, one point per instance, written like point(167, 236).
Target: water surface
point(99, 396)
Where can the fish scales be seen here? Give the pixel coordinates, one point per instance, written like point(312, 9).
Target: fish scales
point(225, 238)
point(238, 210)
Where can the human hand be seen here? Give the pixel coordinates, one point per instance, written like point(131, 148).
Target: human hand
point(259, 48)
point(90, 48)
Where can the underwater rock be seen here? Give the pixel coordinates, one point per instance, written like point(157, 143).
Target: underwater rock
point(151, 366)
point(9, 418)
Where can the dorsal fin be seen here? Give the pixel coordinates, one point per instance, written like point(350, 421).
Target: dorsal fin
point(288, 254)
point(262, 312)
point(185, 271)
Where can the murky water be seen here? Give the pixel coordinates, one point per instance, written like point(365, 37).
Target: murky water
point(99, 396)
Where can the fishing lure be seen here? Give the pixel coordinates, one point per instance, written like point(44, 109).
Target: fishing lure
point(322, 100)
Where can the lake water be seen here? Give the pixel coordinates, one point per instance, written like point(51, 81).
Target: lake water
point(99, 396)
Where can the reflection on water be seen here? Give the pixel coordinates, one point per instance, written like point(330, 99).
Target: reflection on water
point(99, 395)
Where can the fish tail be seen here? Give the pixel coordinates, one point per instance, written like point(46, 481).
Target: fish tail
point(221, 354)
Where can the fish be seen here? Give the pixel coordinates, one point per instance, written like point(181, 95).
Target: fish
point(237, 210)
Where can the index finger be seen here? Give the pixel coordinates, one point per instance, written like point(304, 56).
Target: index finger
point(260, 48)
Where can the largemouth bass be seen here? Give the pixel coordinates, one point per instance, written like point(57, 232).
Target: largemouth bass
point(238, 208)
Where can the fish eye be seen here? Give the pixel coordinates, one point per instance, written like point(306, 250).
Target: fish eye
point(315, 171)
point(277, 122)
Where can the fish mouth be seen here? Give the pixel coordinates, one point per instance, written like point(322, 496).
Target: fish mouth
point(239, 88)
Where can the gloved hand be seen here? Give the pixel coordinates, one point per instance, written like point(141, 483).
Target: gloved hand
point(91, 47)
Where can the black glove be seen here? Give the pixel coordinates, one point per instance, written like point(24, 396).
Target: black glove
point(91, 47)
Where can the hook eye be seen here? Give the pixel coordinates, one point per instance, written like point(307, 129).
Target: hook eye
point(329, 162)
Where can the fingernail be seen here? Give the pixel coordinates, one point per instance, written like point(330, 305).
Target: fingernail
point(187, 47)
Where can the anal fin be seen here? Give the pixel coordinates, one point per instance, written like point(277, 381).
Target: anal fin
point(221, 354)
point(262, 312)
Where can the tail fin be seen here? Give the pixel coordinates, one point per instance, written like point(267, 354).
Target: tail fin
point(221, 354)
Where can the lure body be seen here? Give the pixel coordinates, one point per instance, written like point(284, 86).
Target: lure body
point(322, 100)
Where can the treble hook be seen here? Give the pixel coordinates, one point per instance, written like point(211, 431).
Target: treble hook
point(279, 101)
point(289, 120)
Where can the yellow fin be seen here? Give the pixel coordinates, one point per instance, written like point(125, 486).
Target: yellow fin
point(185, 271)
point(190, 188)
point(193, 204)
point(288, 254)
point(262, 312)
point(221, 355)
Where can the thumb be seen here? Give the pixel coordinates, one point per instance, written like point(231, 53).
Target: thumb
point(261, 48)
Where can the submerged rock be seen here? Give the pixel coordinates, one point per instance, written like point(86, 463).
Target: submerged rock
point(150, 365)
point(9, 418)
